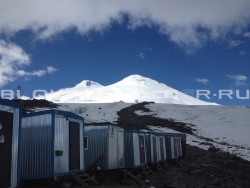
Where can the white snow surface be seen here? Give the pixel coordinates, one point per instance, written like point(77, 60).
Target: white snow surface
point(228, 127)
point(96, 112)
point(92, 112)
point(132, 89)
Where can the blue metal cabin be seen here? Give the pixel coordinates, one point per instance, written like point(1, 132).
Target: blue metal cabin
point(162, 147)
point(155, 147)
point(135, 149)
point(52, 144)
point(104, 147)
point(183, 143)
point(173, 145)
point(9, 143)
point(171, 154)
point(179, 150)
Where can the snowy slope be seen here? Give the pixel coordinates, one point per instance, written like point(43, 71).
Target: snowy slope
point(96, 112)
point(134, 88)
point(225, 127)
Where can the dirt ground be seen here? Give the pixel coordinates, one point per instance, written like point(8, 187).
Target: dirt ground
point(198, 169)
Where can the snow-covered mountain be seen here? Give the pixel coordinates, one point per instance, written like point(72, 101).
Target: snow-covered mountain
point(132, 89)
point(225, 127)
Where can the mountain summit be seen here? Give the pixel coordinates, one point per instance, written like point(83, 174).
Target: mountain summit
point(132, 89)
point(88, 83)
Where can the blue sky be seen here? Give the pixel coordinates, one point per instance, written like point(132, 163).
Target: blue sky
point(187, 46)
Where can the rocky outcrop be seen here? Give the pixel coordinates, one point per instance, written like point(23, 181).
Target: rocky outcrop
point(29, 105)
point(129, 120)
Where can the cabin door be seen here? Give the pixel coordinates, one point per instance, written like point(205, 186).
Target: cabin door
point(120, 148)
point(74, 146)
point(142, 149)
point(179, 146)
point(6, 129)
point(161, 148)
point(175, 147)
point(154, 149)
point(183, 148)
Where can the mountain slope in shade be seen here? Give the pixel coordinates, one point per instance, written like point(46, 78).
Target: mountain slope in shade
point(134, 88)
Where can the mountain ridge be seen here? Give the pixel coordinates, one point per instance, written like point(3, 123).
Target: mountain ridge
point(132, 89)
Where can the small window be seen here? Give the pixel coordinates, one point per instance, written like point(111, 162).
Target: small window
point(86, 142)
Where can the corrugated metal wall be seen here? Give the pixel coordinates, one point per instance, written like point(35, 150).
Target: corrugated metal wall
point(137, 139)
point(116, 147)
point(148, 147)
point(168, 146)
point(132, 149)
point(156, 138)
point(15, 145)
point(36, 143)
point(61, 143)
point(129, 154)
point(97, 145)
point(183, 143)
point(39, 137)
point(162, 156)
point(15, 141)
point(179, 150)
point(173, 146)
point(82, 158)
point(107, 140)
point(61, 163)
point(136, 149)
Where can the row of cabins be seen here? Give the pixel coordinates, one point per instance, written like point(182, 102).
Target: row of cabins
point(53, 143)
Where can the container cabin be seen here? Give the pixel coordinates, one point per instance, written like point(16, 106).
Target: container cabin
point(52, 144)
point(183, 143)
point(9, 143)
point(156, 148)
point(135, 149)
point(162, 147)
point(104, 147)
point(173, 146)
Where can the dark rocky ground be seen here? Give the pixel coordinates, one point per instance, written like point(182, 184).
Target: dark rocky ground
point(129, 120)
point(29, 105)
point(199, 168)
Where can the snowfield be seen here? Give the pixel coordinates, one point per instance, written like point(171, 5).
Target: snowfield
point(95, 112)
point(225, 127)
